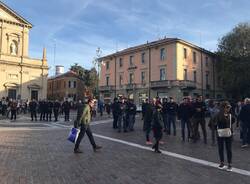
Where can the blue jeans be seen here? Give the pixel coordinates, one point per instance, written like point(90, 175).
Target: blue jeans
point(183, 124)
point(122, 122)
point(131, 120)
point(171, 119)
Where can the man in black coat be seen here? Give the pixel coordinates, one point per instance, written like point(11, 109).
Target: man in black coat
point(148, 117)
point(171, 110)
point(115, 111)
point(56, 108)
point(131, 114)
point(245, 118)
point(66, 110)
point(199, 118)
point(33, 107)
point(184, 114)
point(49, 110)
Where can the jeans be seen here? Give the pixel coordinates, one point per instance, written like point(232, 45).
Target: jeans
point(147, 128)
point(13, 114)
point(85, 128)
point(228, 142)
point(202, 122)
point(131, 120)
point(171, 119)
point(183, 124)
point(115, 119)
point(122, 122)
point(165, 121)
point(33, 115)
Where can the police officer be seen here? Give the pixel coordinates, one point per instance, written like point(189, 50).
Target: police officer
point(56, 108)
point(33, 107)
point(66, 110)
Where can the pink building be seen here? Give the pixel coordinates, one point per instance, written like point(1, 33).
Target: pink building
point(164, 68)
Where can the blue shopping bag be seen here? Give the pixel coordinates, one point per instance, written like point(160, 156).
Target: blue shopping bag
point(73, 134)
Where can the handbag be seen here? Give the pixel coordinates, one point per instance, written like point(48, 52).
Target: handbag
point(225, 132)
point(73, 135)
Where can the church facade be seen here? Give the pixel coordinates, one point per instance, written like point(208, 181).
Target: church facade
point(21, 77)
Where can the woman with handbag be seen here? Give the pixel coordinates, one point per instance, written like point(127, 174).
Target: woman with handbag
point(223, 125)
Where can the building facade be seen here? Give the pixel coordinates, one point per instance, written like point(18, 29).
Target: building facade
point(164, 68)
point(20, 76)
point(66, 85)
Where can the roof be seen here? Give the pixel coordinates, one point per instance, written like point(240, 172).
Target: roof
point(15, 14)
point(66, 74)
point(153, 44)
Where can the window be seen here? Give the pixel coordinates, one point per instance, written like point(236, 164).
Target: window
point(120, 80)
point(163, 54)
point(143, 77)
point(120, 62)
point(131, 78)
point(69, 84)
point(74, 84)
point(107, 65)
point(195, 79)
point(185, 74)
point(185, 53)
point(143, 58)
point(194, 57)
point(162, 74)
point(207, 78)
point(206, 61)
point(107, 81)
point(64, 84)
point(131, 62)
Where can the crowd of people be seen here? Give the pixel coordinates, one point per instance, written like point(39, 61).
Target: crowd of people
point(161, 115)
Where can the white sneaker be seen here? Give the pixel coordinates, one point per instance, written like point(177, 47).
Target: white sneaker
point(222, 166)
point(244, 146)
point(229, 168)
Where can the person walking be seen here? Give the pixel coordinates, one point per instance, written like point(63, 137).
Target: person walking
point(33, 108)
point(157, 126)
point(85, 127)
point(148, 117)
point(223, 125)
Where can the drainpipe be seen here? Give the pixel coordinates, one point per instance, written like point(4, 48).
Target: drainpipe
point(149, 72)
point(115, 76)
point(202, 88)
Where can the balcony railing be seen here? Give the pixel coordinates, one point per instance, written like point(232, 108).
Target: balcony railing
point(173, 83)
point(106, 88)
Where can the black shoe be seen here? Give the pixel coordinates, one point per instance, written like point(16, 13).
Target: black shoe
point(97, 148)
point(77, 151)
point(125, 131)
point(157, 151)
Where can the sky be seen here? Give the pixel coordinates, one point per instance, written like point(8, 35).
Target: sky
point(72, 30)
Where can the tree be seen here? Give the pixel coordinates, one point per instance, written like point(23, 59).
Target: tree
point(234, 61)
point(90, 77)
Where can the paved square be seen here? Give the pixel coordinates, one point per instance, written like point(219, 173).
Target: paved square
point(38, 152)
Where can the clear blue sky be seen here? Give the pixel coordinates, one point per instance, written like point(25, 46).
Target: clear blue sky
point(79, 27)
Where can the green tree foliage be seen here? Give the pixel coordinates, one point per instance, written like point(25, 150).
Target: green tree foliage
point(234, 61)
point(90, 77)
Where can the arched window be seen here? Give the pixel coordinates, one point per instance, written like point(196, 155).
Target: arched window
point(13, 48)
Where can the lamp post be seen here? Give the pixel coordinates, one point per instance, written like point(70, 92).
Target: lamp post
point(97, 65)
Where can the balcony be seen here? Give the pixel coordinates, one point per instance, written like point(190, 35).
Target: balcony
point(186, 84)
point(131, 86)
point(183, 84)
point(161, 84)
point(106, 88)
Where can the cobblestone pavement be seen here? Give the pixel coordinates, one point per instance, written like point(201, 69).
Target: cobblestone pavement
point(43, 155)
